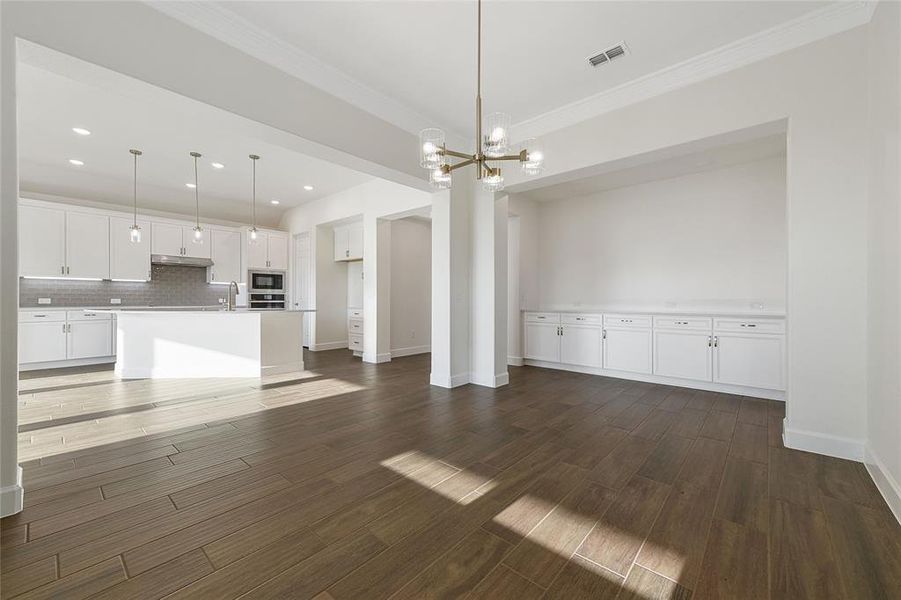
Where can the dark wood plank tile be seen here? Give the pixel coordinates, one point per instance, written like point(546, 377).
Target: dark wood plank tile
point(802, 564)
point(657, 424)
point(28, 577)
point(82, 584)
point(743, 497)
point(630, 418)
point(642, 584)
point(749, 443)
point(753, 411)
point(666, 460)
point(704, 465)
point(583, 580)
point(504, 584)
point(718, 425)
point(617, 467)
point(161, 581)
point(735, 563)
point(688, 423)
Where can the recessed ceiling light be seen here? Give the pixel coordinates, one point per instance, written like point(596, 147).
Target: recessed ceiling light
point(190, 185)
point(273, 201)
point(76, 162)
point(217, 165)
point(81, 131)
point(308, 188)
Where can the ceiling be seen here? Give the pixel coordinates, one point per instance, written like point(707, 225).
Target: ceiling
point(656, 169)
point(422, 54)
point(58, 93)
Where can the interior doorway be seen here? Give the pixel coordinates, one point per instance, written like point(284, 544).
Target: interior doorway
point(303, 272)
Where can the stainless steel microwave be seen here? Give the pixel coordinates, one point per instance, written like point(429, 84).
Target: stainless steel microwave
point(266, 281)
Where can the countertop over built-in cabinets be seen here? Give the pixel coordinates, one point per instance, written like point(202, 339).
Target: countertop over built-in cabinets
point(711, 310)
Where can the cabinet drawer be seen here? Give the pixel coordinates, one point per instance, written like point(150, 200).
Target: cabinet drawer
point(355, 342)
point(680, 323)
point(542, 317)
point(355, 327)
point(354, 313)
point(628, 321)
point(750, 325)
point(88, 315)
point(37, 316)
point(580, 319)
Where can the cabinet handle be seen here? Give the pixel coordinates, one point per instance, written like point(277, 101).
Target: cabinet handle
point(62, 270)
point(68, 328)
point(64, 328)
point(603, 334)
point(716, 342)
point(67, 270)
point(709, 341)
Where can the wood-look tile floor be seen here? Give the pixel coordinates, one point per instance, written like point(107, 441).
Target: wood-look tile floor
point(362, 481)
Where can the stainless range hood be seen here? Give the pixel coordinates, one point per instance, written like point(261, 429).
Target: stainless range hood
point(180, 261)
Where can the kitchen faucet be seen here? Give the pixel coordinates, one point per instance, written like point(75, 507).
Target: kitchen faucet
point(232, 298)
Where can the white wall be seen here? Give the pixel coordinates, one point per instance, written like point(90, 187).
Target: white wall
point(884, 274)
point(716, 237)
point(355, 284)
point(330, 291)
point(411, 286)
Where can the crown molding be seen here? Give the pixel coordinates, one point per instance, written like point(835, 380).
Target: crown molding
point(803, 30)
point(217, 21)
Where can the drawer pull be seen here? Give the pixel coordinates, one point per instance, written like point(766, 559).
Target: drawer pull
point(580, 318)
point(540, 316)
point(749, 325)
point(41, 316)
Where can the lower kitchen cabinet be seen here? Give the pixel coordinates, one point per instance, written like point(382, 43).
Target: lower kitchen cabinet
point(53, 336)
point(580, 345)
point(683, 354)
point(627, 350)
point(89, 339)
point(42, 341)
point(754, 360)
point(542, 341)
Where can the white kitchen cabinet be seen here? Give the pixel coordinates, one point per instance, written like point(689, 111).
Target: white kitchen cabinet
point(542, 341)
point(193, 250)
point(752, 359)
point(42, 242)
point(89, 339)
point(684, 354)
point(166, 239)
point(225, 249)
point(42, 341)
point(349, 242)
point(580, 345)
point(129, 260)
point(87, 245)
point(269, 252)
point(627, 349)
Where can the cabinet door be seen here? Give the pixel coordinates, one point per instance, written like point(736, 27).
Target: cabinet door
point(129, 260)
point(753, 360)
point(225, 248)
point(542, 342)
point(165, 239)
point(41, 342)
point(684, 354)
point(355, 242)
point(258, 252)
point(89, 339)
point(581, 345)
point(87, 245)
point(278, 252)
point(196, 250)
point(342, 243)
point(628, 350)
point(42, 242)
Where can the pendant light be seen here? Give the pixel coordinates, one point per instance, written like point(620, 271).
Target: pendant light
point(252, 232)
point(198, 230)
point(134, 235)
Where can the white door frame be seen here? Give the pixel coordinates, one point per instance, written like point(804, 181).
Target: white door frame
point(303, 261)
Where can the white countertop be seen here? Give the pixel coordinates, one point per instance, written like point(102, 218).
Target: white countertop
point(706, 311)
point(211, 308)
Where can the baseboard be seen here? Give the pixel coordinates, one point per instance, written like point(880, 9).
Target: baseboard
point(492, 381)
point(449, 382)
point(281, 369)
point(75, 362)
point(885, 483)
point(11, 496)
point(514, 361)
point(377, 358)
point(410, 351)
point(673, 381)
point(822, 443)
point(328, 346)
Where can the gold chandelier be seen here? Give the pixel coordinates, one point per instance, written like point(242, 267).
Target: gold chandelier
point(493, 144)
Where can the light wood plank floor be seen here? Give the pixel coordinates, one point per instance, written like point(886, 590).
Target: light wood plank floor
point(362, 481)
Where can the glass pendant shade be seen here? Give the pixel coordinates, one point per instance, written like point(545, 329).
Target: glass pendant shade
point(493, 183)
point(534, 163)
point(440, 180)
point(134, 234)
point(497, 132)
point(431, 140)
point(198, 235)
point(252, 236)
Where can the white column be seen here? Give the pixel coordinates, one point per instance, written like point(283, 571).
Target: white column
point(376, 289)
point(10, 474)
point(514, 320)
point(489, 289)
point(450, 286)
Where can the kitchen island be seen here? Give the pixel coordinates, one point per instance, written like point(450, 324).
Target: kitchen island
point(207, 343)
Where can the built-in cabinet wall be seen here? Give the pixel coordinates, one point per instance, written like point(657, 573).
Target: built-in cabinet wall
point(349, 242)
point(64, 335)
point(72, 242)
point(727, 353)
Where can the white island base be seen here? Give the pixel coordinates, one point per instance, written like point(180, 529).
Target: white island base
point(194, 344)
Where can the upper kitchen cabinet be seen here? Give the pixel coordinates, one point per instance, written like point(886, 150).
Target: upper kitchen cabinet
point(59, 243)
point(349, 242)
point(269, 252)
point(166, 239)
point(129, 260)
point(42, 242)
point(193, 250)
point(225, 248)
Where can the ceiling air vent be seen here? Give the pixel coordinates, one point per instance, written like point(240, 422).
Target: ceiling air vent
point(608, 55)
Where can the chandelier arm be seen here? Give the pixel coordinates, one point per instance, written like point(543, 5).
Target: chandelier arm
point(454, 153)
point(522, 157)
point(465, 163)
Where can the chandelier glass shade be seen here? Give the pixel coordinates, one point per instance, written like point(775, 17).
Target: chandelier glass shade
point(134, 230)
point(492, 144)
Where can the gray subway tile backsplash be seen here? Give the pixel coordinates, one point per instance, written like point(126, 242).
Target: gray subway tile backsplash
point(169, 286)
